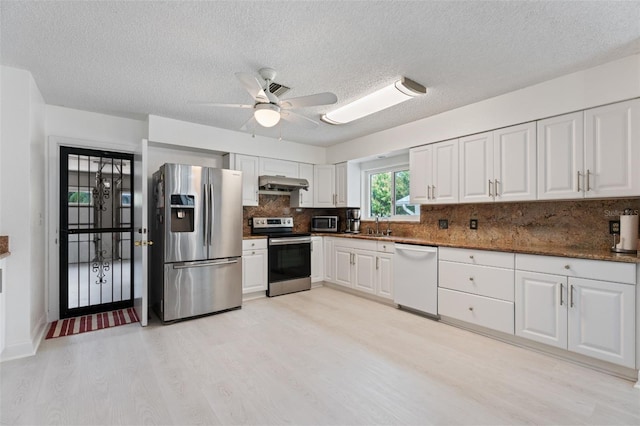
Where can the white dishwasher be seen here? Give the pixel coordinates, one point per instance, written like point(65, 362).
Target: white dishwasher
point(416, 278)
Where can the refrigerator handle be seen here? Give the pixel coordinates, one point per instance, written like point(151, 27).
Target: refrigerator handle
point(212, 216)
point(205, 216)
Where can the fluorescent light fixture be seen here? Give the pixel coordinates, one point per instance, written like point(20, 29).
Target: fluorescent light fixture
point(267, 115)
point(400, 91)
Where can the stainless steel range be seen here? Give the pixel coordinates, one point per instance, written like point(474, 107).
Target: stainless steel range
point(289, 255)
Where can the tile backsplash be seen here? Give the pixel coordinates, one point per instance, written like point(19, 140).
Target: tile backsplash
point(571, 224)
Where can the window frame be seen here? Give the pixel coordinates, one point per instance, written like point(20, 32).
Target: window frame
point(367, 192)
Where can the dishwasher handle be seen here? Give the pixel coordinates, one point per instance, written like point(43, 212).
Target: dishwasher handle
point(423, 249)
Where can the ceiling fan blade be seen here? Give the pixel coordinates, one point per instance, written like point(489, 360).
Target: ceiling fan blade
point(213, 104)
point(298, 119)
point(252, 85)
point(250, 124)
point(325, 98)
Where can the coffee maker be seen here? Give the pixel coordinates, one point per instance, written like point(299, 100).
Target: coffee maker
point(353, 221)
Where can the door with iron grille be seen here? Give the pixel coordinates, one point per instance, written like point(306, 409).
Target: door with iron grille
point(96, 231)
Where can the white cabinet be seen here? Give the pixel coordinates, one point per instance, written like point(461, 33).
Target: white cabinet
point(612, 150)
point(384, 275)
point(248, 165)
point(476, 286)
point(302, 198)
point(275, 167)
point(359, 265)
point(499, 165)
point(590, 154)
point(589, 316)
point(324, 179)
point(254, 265)
point(317, 260)
point(560, 157)
point(541, 308)
point(329, 268)
point(347, 185)
point(336, 185)
point(434, 173)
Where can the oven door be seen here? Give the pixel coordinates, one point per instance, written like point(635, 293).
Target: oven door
point(289, 258)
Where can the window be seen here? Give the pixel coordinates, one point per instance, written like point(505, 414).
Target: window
point(388, 194)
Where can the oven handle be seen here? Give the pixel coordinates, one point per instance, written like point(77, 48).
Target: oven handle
point(285, 241)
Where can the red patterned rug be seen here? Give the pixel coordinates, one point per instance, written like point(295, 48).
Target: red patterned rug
point(77, 325)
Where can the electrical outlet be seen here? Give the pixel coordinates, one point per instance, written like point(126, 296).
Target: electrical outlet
point(614, 227)
point(473, 224)
point(250, 222)
point(443, 224)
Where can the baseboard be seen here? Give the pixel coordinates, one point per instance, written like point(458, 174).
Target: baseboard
point(26, 348)
point(583, 360)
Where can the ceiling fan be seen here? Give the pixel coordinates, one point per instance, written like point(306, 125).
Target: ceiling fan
point(268, 110)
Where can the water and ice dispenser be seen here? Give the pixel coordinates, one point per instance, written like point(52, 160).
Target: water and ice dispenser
point(182, 213)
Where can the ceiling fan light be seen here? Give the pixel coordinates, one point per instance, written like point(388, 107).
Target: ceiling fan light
point(393, 94)
point(267, 115)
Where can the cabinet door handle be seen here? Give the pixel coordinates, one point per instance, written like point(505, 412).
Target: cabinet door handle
point(561, 291)
point(377, 259)
point(571, 296)
point(588, 179)
point(490, 183)
point(578, 180)
point(433, 191)
point(495, 188)
point(428, 192)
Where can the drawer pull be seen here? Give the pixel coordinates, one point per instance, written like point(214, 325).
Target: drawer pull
point(253, 252)
point(470, 278)
point(471, 257)
point(471, 308)
point(567, 266)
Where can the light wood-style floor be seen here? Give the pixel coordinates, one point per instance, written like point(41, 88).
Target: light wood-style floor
point(317, 357)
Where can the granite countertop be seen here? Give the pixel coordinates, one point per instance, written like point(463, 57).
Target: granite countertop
point(253, 237)
point(579, 253)
point(4, 246)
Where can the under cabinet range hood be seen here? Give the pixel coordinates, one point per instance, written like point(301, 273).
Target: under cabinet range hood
point(282, 183)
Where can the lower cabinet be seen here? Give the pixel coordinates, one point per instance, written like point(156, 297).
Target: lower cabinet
point(476, 286)
point(360, 266)
point(317, 260)
point(480, 310)
point(591, 317)
point(255, 266)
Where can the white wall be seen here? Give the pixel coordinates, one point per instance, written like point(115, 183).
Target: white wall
point(182, 133)
point(614, 81)
point(71, 127)
point(23, 192)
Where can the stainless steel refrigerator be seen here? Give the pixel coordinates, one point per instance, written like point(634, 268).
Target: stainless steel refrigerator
point(196, 258)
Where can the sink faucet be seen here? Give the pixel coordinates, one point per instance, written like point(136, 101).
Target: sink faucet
point(388, 231)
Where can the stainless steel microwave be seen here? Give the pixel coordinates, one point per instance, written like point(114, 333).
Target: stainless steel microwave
point(324, 224)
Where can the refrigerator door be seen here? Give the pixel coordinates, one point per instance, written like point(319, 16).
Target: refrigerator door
point(185, 237)
point(225, 220)
point(198, 288)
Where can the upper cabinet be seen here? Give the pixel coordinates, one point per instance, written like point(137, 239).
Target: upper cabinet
point(248, 165)
point(347, 185)
point(336, 185)
point(324, 178)
point(612, 150)
point(302, 198)
point(275, 167)
point(590, 154)
point(499, 165)
point(434, 173)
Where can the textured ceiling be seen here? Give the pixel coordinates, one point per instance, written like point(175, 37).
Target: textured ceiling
point(136, 58)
